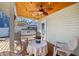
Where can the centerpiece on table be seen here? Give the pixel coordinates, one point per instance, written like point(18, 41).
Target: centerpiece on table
point(38, 37)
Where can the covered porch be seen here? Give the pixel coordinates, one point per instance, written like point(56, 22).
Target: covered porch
point(35, 28)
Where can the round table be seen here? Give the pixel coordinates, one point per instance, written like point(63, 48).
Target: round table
point(38, 49)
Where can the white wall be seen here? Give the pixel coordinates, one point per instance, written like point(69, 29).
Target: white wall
point(63, 25)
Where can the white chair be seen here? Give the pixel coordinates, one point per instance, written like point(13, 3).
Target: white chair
point(54, 51)
point(65, 49)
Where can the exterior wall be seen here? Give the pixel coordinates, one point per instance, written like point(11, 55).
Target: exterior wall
point(63, 25)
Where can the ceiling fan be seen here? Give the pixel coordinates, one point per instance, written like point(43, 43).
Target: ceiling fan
point(40, 9)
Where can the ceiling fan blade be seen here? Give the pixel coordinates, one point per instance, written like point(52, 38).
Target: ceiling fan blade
point(45, 13)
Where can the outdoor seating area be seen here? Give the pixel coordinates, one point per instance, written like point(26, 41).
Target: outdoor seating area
point(39, 28)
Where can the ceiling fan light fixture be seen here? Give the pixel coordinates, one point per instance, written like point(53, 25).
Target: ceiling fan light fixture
point(40, 13)
point(34, 14)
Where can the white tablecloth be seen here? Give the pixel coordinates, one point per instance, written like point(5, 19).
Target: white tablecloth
point(38, 49)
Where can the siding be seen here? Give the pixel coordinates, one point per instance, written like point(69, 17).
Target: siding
point(63, 25)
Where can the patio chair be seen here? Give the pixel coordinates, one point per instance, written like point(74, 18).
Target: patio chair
point(65, 49)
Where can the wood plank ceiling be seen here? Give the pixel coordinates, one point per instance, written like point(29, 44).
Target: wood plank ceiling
point(30, 9)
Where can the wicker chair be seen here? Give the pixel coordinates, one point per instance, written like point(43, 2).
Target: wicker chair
point(20, 46)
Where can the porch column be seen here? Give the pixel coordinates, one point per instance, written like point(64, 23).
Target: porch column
point(38, 27)
point(12, 27)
